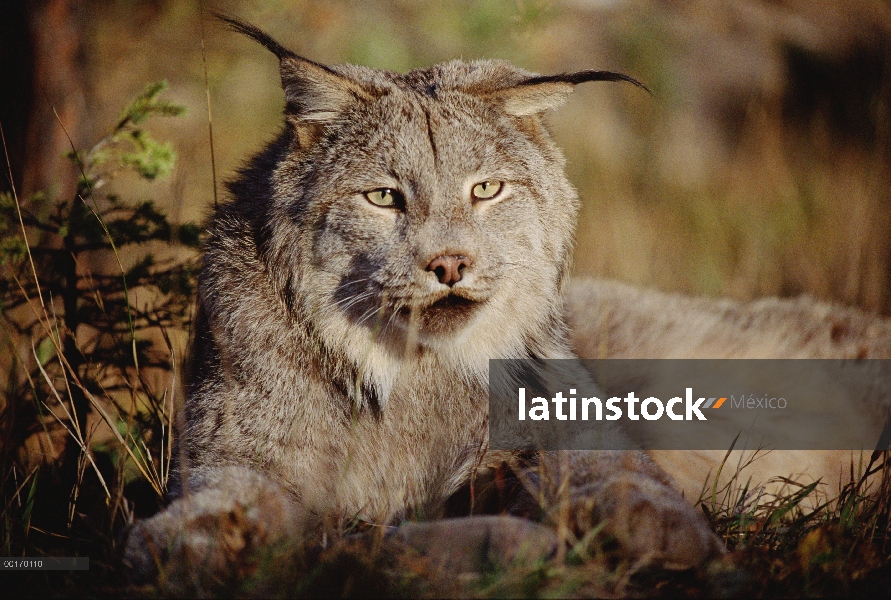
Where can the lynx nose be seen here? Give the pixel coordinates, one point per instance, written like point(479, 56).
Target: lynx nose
point(448, 268)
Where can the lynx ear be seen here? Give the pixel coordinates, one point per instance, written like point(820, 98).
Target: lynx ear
point(538, 94)
point(314, 93)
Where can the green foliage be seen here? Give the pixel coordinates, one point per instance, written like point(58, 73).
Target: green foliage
point(92, 286)
point(150, 159)
point(129, 146)
point(149, 104)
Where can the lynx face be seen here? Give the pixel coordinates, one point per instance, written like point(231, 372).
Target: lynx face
point(422, 213)
point(426, 208)
point(401, 242)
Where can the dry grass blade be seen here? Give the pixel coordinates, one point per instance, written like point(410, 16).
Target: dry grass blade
point(19, 488)
point(75, 433)
point(213, 161)
point(18, 207)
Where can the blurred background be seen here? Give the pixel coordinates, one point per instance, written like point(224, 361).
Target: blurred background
point(760, 167)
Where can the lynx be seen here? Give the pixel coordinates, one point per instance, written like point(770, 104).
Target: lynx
point(401, 231)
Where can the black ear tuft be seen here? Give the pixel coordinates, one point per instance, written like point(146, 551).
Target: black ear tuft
point(256, 34)
point(314, 93)
point(583, 76)
point(538, 93)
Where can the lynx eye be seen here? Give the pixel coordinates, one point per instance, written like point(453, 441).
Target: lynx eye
point(486, 190)
point(385, 197)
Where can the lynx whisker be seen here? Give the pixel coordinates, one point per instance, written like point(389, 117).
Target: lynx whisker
point(351, 301)
point(371, 312)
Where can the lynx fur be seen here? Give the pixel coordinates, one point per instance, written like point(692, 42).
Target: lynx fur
point(614, 320)
point(351, 295)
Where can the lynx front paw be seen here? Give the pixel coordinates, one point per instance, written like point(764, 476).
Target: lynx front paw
point(222, 533)
point(649, 520)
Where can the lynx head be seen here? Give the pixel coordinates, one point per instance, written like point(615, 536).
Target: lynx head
point(426, 210)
